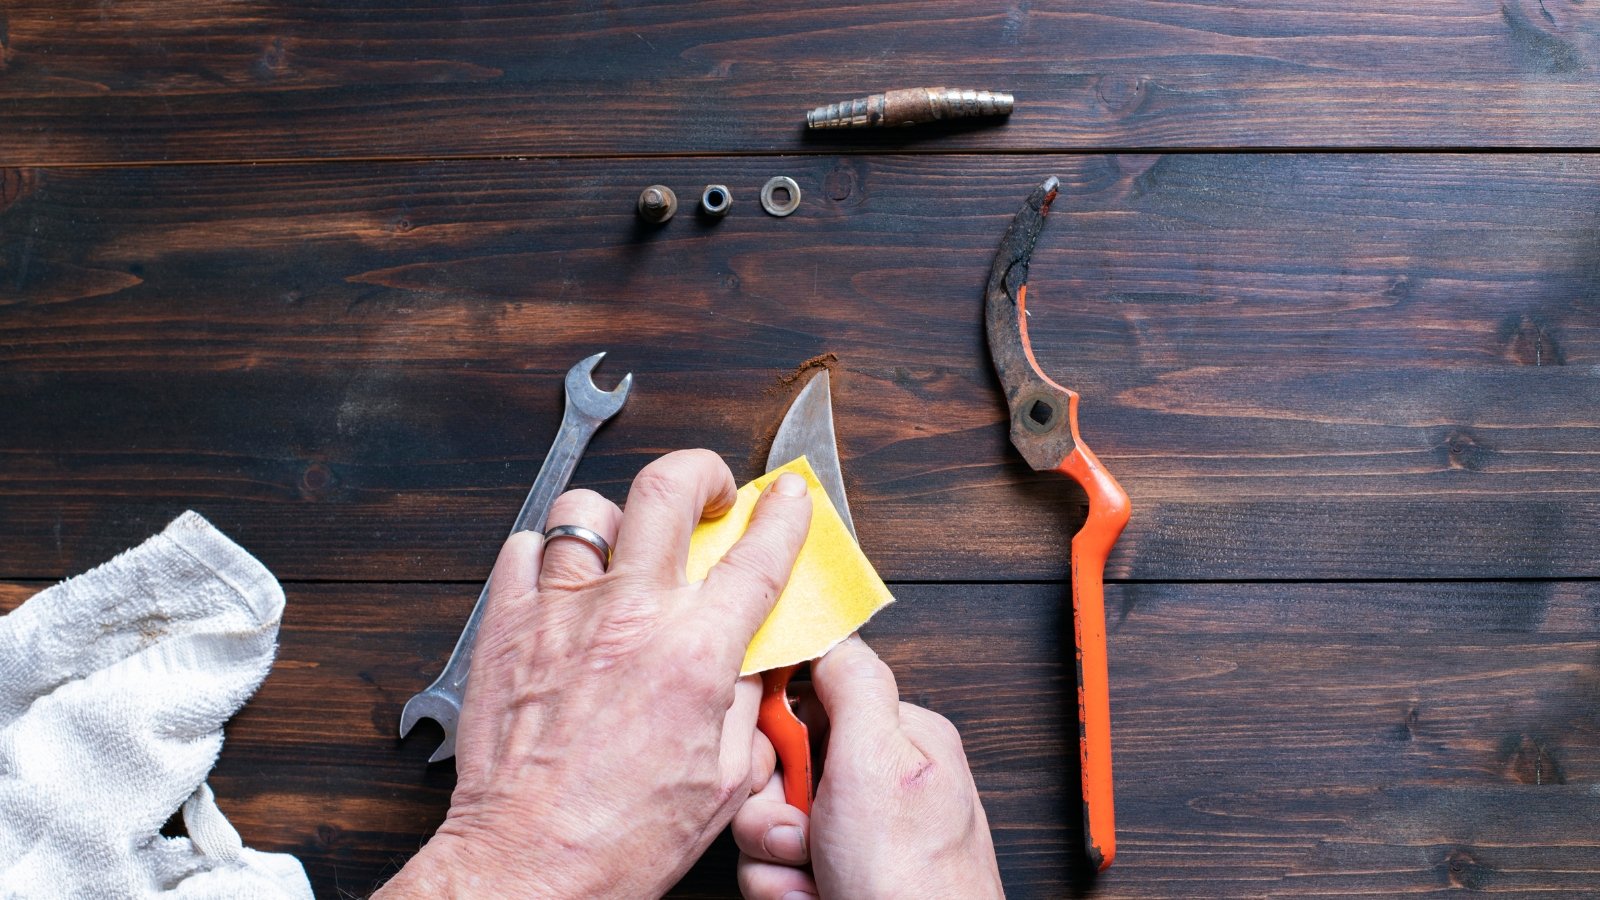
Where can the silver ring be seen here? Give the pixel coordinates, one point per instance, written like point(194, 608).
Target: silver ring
point(588, 536)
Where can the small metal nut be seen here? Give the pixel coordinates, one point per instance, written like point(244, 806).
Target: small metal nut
point(715, 200)
point(657, 203)
point(771, 205)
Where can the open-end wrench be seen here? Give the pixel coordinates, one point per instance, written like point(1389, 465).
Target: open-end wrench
point(588, 408)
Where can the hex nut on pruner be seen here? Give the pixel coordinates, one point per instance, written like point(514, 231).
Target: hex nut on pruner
point(769, 200)
point(715, 200)
point(657, 203)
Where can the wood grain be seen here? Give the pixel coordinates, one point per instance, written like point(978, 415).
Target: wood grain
point(168, 81)
point(1272, 740)
point(1289, 361)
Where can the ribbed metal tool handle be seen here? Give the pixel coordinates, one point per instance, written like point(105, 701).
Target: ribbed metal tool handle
point(911, 106)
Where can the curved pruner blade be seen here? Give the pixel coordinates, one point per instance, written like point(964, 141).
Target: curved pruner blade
point(1042, 425)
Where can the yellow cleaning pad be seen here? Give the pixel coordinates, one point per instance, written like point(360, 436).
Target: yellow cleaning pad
point(832, 591)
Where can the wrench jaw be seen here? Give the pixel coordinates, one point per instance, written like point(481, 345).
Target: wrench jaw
point(587, 398)
point(439, 707)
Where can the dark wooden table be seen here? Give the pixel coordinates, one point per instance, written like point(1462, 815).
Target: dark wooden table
point(315, 270)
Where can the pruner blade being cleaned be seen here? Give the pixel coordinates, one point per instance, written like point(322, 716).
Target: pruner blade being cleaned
point(1044, 428)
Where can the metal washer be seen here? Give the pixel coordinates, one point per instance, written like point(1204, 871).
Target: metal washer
point(771, 205)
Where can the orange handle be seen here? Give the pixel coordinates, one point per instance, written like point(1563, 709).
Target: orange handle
point(1108, 513)
point(788, 735)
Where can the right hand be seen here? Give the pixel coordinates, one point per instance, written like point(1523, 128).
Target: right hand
point(896, 812)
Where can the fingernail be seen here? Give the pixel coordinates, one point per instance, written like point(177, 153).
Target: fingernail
point(787, 843)
point(789, 485)
point(799, 895)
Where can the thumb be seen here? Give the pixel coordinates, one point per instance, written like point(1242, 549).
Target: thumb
point(859, 694)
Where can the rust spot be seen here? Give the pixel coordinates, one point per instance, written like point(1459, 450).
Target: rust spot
point(827, 361)
point(771, 419)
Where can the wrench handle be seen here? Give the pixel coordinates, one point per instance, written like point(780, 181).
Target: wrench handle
point(565, 451)
point(1108, 513)
point(789, 736)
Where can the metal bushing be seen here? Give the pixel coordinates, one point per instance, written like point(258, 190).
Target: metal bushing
point(657, 203)
point(715, 200)
point(770, 203)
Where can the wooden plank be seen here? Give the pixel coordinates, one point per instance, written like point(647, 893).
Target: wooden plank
point(160, 82)
point(1324, 367)
point(1272, 740)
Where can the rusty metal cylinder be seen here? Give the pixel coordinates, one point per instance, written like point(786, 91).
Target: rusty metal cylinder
point(911, 106)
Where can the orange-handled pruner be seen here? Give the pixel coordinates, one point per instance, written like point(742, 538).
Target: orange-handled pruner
point(1044, 427)
point(789, 736)
point(806, 430)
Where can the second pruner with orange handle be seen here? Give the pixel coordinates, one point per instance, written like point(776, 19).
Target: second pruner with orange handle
point(1044, 428)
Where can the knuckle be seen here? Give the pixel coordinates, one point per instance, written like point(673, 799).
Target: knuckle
point(580, 503)
point(658, 481)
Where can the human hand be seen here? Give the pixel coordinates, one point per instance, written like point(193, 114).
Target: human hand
point(606, 737)
point(896, 812)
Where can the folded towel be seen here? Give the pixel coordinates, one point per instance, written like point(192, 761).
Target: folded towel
point(113, 689)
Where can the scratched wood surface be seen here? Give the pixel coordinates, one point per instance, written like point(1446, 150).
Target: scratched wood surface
point(155, 80)
point(316, 270)
point(1273, 740)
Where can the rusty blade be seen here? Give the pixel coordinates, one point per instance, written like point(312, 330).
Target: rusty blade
point(1040, 424)
point(807, 430)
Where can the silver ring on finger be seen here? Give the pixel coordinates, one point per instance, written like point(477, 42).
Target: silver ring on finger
point(580, 533)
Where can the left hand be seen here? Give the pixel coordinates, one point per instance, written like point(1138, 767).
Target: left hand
point(606, 737)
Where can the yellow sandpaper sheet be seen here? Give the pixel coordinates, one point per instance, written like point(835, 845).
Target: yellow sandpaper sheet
point(832, 591)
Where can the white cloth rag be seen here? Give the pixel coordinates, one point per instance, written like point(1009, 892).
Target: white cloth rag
point(113, 689)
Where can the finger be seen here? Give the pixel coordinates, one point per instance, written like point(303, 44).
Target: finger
point(859, 693)
point(739, 735)
point(743, 586)
point(516, 574)
point(768, 881)
point(763, 761)
point(667, 499)
point(568, 561)
point(769, 830)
